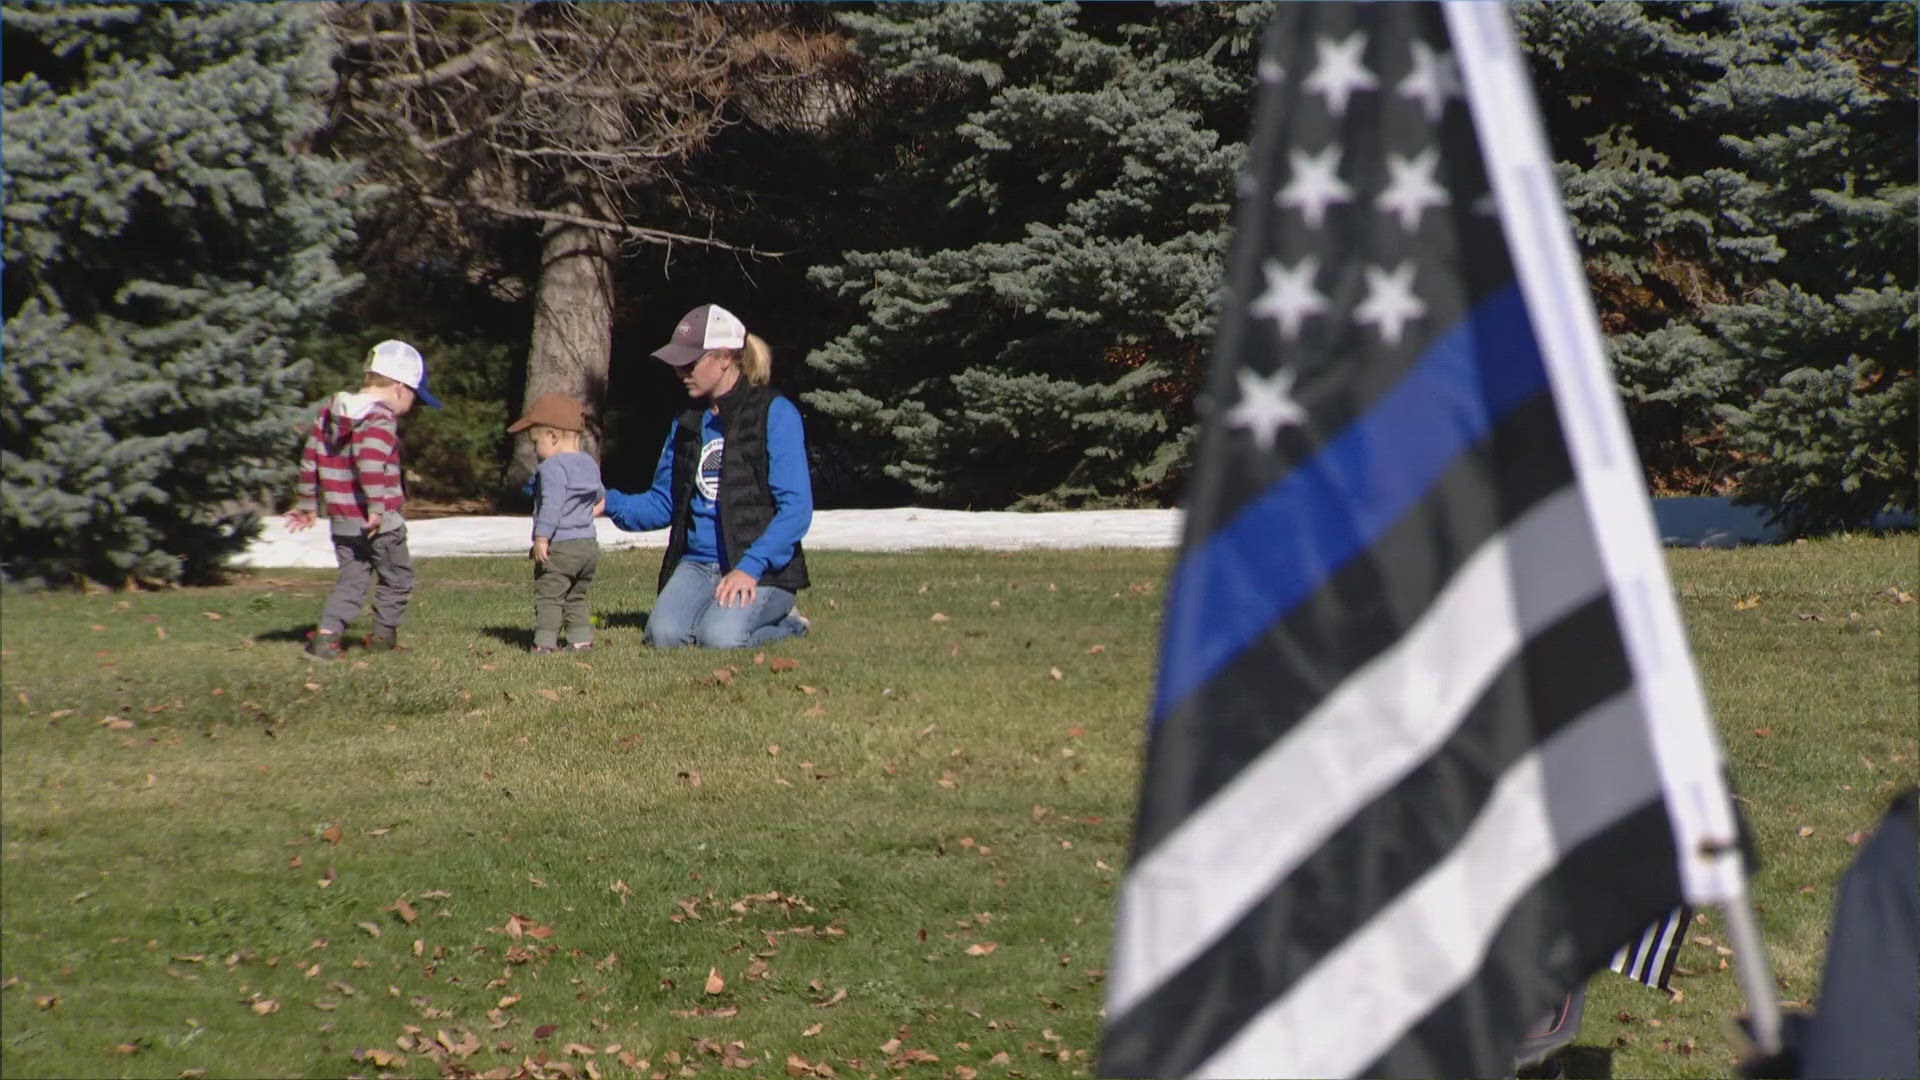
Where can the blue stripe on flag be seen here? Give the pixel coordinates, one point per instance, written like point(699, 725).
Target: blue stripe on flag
point(1283, 545)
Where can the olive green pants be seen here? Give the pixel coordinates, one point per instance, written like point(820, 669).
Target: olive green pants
point(560, 592)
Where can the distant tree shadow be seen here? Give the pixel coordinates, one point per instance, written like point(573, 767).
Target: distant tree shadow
point(517, 636)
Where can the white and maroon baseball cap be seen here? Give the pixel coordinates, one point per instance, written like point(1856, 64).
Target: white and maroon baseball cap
point(708, 326)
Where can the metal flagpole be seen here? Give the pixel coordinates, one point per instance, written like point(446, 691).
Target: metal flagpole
point(1498, 89)
point(1755, 972)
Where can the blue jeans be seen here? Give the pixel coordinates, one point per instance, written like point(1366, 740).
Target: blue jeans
point(688, 614)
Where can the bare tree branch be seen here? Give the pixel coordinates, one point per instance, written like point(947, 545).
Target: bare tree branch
point(656, 236)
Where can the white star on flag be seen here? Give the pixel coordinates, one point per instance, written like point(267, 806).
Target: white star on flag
point(1390, 303)
point(1339, 73)
point(1290, 295)
point(1412, 188)
point(1433, 80)
point(1314, 186)
point(1266, 405)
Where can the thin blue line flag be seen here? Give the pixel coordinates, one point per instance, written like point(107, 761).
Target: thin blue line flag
point(1427, 746)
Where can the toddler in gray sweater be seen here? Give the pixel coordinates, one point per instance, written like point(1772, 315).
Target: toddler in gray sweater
point(567, 494)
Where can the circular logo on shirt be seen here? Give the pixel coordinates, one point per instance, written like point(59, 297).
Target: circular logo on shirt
point(707, 477)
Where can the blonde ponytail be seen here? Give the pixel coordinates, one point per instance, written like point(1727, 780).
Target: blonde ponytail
point(756, 361)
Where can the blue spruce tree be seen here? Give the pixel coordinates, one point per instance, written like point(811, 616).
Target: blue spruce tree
point(1039, 294)
point(1826, 417)
point(1742, 180)
point(164, 238)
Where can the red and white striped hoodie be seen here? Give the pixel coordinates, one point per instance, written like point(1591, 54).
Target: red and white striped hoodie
point(351, 463)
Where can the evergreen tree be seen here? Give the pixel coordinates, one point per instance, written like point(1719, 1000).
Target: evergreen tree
point(1825, 417)
point(1742, 181)
point(1040, 294)
point(164, 237)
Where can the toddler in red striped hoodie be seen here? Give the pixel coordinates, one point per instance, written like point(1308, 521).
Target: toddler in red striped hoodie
point(350, 472)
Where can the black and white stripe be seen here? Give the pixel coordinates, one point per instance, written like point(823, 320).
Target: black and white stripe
point(1651, 957)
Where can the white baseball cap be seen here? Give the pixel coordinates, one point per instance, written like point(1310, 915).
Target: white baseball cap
point(402, 363)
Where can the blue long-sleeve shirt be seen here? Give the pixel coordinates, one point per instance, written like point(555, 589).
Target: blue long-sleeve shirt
point(787, 479)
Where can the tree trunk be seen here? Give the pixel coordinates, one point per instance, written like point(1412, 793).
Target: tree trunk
point(572, 329)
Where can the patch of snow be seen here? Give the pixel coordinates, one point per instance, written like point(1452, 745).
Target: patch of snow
point(900, 529)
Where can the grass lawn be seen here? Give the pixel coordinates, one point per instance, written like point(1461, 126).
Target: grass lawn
point(888, 848)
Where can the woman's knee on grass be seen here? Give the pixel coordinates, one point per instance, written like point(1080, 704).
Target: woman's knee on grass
point(722, 634)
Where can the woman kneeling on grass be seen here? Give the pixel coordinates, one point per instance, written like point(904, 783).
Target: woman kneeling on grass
point(734, 484)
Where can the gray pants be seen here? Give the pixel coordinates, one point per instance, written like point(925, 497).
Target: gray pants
point(560, 592)
point(379, 565)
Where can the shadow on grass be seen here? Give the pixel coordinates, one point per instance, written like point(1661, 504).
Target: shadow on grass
point(1573, 1063)
point(519, 637)
point(292, 633)
point(636, 620)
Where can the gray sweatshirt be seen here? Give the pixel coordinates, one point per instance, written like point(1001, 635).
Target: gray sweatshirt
point(565, 490)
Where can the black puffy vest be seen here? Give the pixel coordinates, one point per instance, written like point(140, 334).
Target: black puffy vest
point(746, 505)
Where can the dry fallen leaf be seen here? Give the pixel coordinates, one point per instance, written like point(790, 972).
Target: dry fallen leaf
point(715, 983)
point(812, 1031)
point(939, 617)
point(332, 835)
point(1055, 674)
point(1806, 831)
point(1747, 603)
point(982, 948)
point(1855, 837)
point(371, 928)
point(404, 910)
point(265, 1006)
point(783, 663)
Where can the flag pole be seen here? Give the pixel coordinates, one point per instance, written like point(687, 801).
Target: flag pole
point(1755, 973)
point(1500, 93)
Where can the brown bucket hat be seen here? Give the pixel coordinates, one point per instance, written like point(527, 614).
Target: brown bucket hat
point(554, 411)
